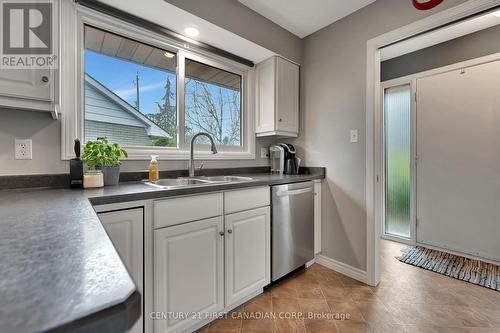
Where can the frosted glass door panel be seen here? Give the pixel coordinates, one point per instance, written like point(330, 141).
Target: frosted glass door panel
point(397, 129)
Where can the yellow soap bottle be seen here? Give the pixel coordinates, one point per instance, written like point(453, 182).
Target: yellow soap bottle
point(154, 169)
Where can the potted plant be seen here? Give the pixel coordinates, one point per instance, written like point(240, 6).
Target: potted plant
point(101, 155)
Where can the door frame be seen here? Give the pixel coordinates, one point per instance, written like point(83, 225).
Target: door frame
point(412, 82)
point(373, 144)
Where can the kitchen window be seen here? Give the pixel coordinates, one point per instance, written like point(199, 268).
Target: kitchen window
point(212, 102)
point(130, 91)
point(151, 94)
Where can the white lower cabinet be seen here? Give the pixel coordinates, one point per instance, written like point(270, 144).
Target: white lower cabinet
point(247, 249)
point(188, 273)
point(204, 264)
point(125, 228)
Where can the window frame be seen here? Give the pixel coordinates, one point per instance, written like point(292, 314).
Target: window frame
point(413, 180)
point(73, 22)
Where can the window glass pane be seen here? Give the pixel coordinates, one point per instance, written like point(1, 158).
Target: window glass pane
point(212, 104)
point(397, 111)
point(130, 91)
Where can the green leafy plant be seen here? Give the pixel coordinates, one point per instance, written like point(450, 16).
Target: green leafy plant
point(100, 153)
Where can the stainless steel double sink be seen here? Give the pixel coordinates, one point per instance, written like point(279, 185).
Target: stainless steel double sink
point(181, 182)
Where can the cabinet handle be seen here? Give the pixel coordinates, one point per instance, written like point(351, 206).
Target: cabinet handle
point(229, 231)
point(221, 233)
point(45, 79)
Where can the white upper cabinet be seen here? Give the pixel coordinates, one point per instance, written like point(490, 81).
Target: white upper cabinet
point(29, 74)
point(32, 84)
point(32, 89)
point(277, 98)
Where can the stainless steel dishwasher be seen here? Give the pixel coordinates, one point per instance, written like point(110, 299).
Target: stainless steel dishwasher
point(292, 227)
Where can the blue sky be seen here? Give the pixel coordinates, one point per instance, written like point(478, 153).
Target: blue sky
point(119, 76)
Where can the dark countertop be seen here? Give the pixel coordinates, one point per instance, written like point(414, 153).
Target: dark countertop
point(58, 268)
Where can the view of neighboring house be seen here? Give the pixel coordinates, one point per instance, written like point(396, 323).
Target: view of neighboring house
point(106, 112)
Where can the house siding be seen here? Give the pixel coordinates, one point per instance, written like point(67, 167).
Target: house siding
point(124, 135)
point(99, 107)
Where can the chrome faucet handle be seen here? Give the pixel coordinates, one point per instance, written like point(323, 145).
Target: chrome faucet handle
point(200, 167)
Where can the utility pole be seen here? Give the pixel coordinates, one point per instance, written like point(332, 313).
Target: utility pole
point(136, 83)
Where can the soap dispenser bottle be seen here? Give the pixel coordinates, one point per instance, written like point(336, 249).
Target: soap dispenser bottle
point(154, 169)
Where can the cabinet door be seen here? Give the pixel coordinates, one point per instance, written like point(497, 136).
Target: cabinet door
point(266, 81)
point(27, 84)
point(287, 96)
point(125, 228)
point(188, 273)
point(248, 253)
point(317, 217)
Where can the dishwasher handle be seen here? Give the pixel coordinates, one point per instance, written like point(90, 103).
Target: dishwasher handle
point(281, 193)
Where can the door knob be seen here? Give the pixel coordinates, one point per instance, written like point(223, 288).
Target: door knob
point(229, 231)
point(280, 120)
point(45, 79)
point(221, 233)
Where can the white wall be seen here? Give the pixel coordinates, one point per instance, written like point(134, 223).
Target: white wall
point(333, 79)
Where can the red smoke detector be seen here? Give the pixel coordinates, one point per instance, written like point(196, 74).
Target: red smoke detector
point(426, 4)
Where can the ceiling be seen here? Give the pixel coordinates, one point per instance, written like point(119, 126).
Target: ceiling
point(176, 19)
point(442, 35)
point(302, 18)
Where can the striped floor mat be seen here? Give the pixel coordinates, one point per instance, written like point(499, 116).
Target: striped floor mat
point(465, 269)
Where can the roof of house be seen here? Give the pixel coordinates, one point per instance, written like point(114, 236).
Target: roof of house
point(126, 114)
point(119, 47)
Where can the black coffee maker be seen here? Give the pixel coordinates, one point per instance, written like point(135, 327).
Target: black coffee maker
point(291, 162)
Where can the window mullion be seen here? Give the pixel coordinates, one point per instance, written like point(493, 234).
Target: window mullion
point(181, 120)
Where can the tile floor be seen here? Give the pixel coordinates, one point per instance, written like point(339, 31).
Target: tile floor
point(409, 299)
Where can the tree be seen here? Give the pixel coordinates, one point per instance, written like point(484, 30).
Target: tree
point(213, 109)
point(166, 117)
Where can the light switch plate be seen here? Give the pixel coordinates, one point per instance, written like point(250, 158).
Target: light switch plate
point(354, 135)
point(264, 152)
point(22, 149)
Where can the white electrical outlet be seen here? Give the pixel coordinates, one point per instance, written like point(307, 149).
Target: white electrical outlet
point(354, 135)
point(264, 152)
point(22, 149)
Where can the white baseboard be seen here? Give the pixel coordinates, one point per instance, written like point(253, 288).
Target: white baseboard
point(309, 263)
point(342, 268)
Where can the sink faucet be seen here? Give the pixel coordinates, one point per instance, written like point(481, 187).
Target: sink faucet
point(191, 156)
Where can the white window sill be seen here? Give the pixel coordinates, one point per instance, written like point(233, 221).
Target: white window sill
point(165, 154)
point(184, 155)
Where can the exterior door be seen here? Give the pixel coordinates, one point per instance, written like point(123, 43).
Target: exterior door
point(189, 273)
point(458, 171)
point(248, 253)
point(125, 228)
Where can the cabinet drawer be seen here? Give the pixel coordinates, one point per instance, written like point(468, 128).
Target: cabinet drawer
point(185, 209)
point(236, 201)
